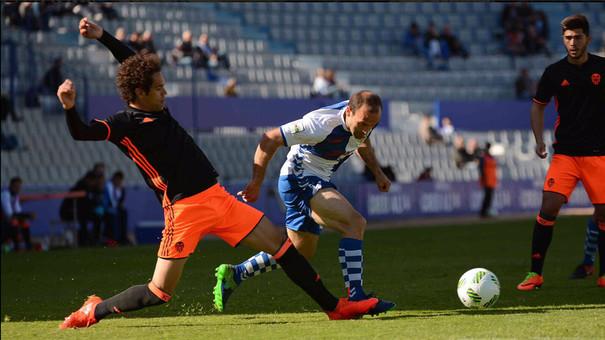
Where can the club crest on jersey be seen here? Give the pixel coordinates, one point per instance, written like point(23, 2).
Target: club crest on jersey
point(550, 182)
point(295, 127)
point(179, 246)
point(596, 78)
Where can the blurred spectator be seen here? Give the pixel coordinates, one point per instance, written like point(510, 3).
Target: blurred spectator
point(116, 216)
point(464, 154)
point(8, 109)
point(426, 175)
point(427, 132)
point(50, 83)
point(524, 85)
point(320, 83)
point(98, 169)
point(88, 209)
point(514, 14)
point(134, 41)
point(53, 77)
point(525, 30)
point(447, 130)
point(602, 50)
point(535, 43)
point(515, 41)
point(412, 41)
point(454, 45)
point(10, 12)
point(8, 141)
point(15, 222)
point(107, 11)
point(203, 51)
point(183, 52)
point(31, 16)
point(231, 88)
point(121, 34)
point(325, 85)
point(488, 179)
point(435, 49)
point(209, 57)
point(147, 45)
point(387, 170)
point(28, 17)
point(77, 209)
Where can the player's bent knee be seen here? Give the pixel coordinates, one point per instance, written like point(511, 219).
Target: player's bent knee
point(356, 226)
point(359, 222)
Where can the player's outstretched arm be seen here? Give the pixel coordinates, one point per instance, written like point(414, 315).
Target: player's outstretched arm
point(537, 126)
point(366, 153)
point(265, 150)
point(91, 30)
point(78, 129)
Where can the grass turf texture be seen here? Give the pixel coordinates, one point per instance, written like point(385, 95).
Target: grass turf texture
point(418, 268)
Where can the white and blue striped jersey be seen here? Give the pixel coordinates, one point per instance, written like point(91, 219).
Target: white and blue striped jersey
point(319, 143)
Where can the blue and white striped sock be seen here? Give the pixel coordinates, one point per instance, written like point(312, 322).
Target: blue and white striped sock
point(256, 265)
point(350, 257)
point(590, 242)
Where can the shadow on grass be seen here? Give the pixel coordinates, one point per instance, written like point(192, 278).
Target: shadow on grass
point(509, 311)
point(202, 323)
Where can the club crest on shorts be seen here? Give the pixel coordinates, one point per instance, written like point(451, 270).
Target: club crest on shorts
point(596, 78)
point(550, 182)
point(179, 246)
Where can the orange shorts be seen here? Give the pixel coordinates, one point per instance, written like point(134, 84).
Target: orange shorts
point(212, 211)
point(565, 172)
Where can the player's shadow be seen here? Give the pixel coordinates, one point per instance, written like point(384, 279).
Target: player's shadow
point(524, 310)
point(205, 324)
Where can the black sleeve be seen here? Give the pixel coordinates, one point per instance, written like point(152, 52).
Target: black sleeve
point(544, 89)
point(119, 50)
point(97, 130)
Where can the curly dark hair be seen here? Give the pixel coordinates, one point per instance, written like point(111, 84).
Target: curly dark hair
point(137, 72)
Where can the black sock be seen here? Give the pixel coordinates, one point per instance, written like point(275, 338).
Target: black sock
point(300, 272)
point(543, 229)
point(133, 298)
point(601, 244)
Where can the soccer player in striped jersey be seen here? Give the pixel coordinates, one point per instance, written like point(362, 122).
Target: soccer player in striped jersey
point(319, 143)
point(185, 183)
point(586, 268)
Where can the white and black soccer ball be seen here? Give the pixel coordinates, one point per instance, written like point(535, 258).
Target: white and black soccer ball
point(478, 288)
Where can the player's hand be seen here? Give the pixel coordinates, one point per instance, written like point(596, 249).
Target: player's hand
point(89, 29)
point(250, 193)
point(67, 94)
point(383, 183)
point(541, 150)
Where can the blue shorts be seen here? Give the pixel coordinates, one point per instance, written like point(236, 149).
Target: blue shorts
point(296, 193)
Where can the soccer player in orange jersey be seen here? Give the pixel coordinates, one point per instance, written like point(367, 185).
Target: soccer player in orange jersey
point(185, 183)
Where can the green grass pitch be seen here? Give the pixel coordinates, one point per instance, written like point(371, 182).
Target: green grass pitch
point(417, 267)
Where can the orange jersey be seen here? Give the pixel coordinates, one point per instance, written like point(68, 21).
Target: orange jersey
point(488, 168)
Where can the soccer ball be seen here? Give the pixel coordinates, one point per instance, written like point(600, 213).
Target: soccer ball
point(478, 288)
